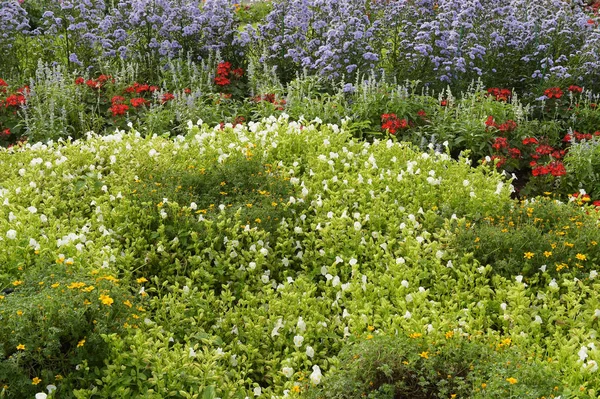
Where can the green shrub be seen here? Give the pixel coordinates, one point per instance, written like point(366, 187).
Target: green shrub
point(450, 366)
point(52, 325)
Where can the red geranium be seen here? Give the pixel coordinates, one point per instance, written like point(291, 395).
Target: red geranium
point(138, 102)
point(167, 97)
point(514, 153)
point(575, 89)
point(530, 140)
point(15, 100)
point(499, 143)
point(119, 109)
point(553, 92)
point(79, 81)
point(391, 123)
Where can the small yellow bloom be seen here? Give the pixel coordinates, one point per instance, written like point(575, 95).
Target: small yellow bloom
point(36, 381)
point(17, 282)
point(75, 285)
point(370, 328)
point(449, 334)
point(568, 244)
point(141, 280)
point(484, 385)
point(1, 297)
point(58, 377)
point(106, 300)
point(424, 355)
point(249, 205)
point(581, 257)
point(89, 289)
point(21, 347)
point(55, 285)
point(370, 336)
point(528, 255)
point(128, 304)
point(547, 254)
point(296, 388)
point(477, 239)
point(19, 313)
point(86, 302)
point(512, 380)
point(415, 335)
point(81, 343)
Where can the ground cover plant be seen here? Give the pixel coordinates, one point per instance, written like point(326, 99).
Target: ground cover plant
point(299, 199)
point(210, 299)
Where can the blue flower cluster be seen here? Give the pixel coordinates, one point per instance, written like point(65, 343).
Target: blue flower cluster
point(504, 42)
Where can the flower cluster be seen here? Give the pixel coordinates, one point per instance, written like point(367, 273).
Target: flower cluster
point(392, 124)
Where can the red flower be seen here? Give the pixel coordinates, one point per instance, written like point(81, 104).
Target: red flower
point(575, 89)
point(79, 81)
point(223, 68)
point(499, 143)
point(530, 140)
point(422, 114)
point(92, 84)
point(3, 85)
point(596, 204)
point(557, 169)
point(117, 100)
point(152, 89)
point(142, 88)
point(187, 90)
point(532, 164)
point(490, 121)
point(138, 102)
point(222, 81)
point(238, 73)
point(508, 126)
point(391, 123)
point(6, 132)
point(514, 153)
point(567, 138)
point(544, 149)
point(540, 171)
point(444, 103)
point(119, 109)
point(501, 160)
point(593, 105)
point(553, 92)
point(167, 97)
point(500, 94)
point(15, 100)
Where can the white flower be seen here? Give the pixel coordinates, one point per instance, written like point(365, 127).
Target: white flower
point(336, 281)
point(593, 274)
point(264, 278)
point(591, 366)
point(315, 376)
point(301, 325)
point(538, 320)
point(43, 219)
point(32, 209)
point(11, 234)
point(400, 261)
point(51, 388)
point(519, 278)
point(597, 313)
point(357, 226)
point(582, 353)
point(192, 352)
point(407, 315)
point(404, 283)
point(298, 339)
point(193, 206)
point(553, 284)
point(40, 395)
point(310, 352)
point(152, 152)
point(503, 306)
point(287, 371)
point(257, 391)
point(278, 325)
point(352, 262)
point(264, 251)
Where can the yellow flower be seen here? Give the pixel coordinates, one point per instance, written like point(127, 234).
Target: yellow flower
point(1, 297)
point(477, 239)
point(581, 257)
point(370, 328)
point(108, 278)
point(449, 334)
point(128, 304)
point(484, 385)
point(106, 300)
point(296, 388)
point(88, 289)
point(74, 285)
point(415, 335)
point(17, 282)
point(370, 336)
point(424, 355)
point(81, 343)
point(58, 377)
point(36, 381)
point(528, 255)
point(86, 302)
point(512, 380)
point(19, 313)
point(568, 244)
point(141, 280)
point(55, 285)
point(249, 205)
point(21, 347)
point(547, 254)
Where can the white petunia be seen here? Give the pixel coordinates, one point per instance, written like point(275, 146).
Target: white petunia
point(301, 325)
point(310, 352)
point(288, 371)
point(32, 209)
point(257, 391)
point(11, 234)
point(407, 315)
point(315, 376)
point(298, 339)
point(357, 226)
point(192, 352)
point(40, 395)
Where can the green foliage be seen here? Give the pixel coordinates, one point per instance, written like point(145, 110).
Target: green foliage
point(583, 169)
point(540, 236)
point(52, 325)
point(432, 366)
